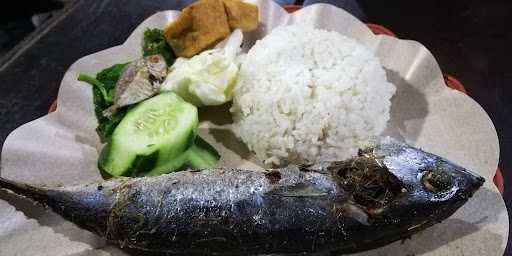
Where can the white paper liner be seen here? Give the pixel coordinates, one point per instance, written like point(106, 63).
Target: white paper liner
point(62, 147)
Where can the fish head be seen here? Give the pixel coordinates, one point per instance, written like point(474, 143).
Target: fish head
point(428, 177)
point(390, 191)
point(399, 184)
point(156, 66)
point(431, 187)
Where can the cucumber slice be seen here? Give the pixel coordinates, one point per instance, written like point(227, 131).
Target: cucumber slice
point(202, 155)
point(174, 164)
point(162, 127)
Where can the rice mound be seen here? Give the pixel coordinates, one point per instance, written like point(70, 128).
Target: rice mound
point(307, 95)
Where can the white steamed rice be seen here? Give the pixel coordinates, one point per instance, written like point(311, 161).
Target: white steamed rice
point(309, 95)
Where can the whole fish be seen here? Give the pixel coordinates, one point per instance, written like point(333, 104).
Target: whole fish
point(386, 193)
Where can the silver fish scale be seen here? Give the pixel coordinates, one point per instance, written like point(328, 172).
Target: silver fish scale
point(207, 186)
point(217, 197)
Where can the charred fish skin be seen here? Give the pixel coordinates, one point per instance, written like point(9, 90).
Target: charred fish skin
point(243, 212)
point(384, 194)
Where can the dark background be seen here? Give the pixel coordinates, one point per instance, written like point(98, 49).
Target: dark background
point(471, 40)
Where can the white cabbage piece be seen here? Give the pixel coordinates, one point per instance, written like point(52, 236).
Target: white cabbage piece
point(208, 78)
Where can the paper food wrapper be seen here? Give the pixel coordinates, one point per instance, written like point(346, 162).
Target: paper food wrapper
point(62, 147)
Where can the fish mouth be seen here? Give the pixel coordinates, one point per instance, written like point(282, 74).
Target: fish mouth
point(476, 182)
point(474, 175)
point(472, 183)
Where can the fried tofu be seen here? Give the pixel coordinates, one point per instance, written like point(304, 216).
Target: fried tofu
point(207, 22)
point(241, 15)
point(198, 27)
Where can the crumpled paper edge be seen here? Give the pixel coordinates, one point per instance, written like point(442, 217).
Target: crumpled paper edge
point(364, 35)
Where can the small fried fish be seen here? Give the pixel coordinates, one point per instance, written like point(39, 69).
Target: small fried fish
point(139, 80)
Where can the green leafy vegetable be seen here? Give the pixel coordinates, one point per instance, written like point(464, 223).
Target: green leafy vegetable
point(154, 43)
point(192, 152)
point(109, 76)
point(107, 125)
point(98, 85)
point(103, 87)
point(105, 82)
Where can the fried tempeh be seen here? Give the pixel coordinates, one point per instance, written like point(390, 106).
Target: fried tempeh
point(198, 27)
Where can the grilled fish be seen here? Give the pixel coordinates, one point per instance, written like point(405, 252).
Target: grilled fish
point(386, 193)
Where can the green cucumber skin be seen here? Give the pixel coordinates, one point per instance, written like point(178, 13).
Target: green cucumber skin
point(102, 159)
point(197, 159)
point(175, 164)
point(130, 144)
point(202, 155)
point(204, 145)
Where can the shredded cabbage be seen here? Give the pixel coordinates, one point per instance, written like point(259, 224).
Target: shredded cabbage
point(207, 79)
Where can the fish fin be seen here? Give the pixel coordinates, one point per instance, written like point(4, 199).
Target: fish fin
point(356, 212)
point(37, 194)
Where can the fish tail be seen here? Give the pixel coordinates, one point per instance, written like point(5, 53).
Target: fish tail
point(37, 194)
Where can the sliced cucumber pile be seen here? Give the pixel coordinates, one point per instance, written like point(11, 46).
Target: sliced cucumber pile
point(157, 136)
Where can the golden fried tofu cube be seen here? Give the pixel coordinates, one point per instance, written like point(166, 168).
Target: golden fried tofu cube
point(242, 15)
point(198, 27)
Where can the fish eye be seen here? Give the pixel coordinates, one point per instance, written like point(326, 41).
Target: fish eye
point(436, 181)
